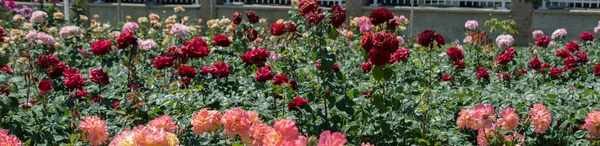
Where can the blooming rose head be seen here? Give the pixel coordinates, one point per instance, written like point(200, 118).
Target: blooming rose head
point(236, 18)
point(74, 81)
point(307, 6)
point(162, 62)
point(592, 122)
point(365, 67)
point(535, 63)
point(505, 41)
point(278, 29)
point(570, 62)
point(252, 16)
point(281, 79)
point(67, 31)
point(447, 77)
point(509, 120)
point(562, 53)
point(195, 48)
point(297, 104)
point(586, 36)
point(99, 76)
point(471, 24)
point(236, 122)
point(572, 46)
point(542, 41)
point(291, 27)
point(186, 71)
point(179, 30)
point(220, 69)
point(8, 140)
point(339, 16)
point(94, 130)
point(145, 135)
point(165, 123)
point(251, 34)
point(263, 74)
point(556, 72)
point(381, 15)
point(132, 26)
point(540, 118)
point(331, 139)
point(454, 53)
point(537, 34)
point(559, 34)
point(45, 86)
point(101, 47)
point(367, 42)
point(482, 73)
point(400, 55)
point(428, 38)
point(206, 121)
point(221, 40)
point(125, 39)
point(582, 56)
point(38, 17)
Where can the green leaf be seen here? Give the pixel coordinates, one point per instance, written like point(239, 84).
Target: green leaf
point(333, 33)
point(388, 73)
point(378, 72)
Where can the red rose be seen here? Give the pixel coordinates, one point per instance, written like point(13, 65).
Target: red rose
point(505, 76)
point(236, 18)
point(597, 69)
point(174, 51)
point(116, 104)
point(562, 53)
point(400, 55)
point(125, 39)
point(97, 99)
point(545, 66)
point(535, 63)
point(82, 93)
point(205, 70)
point(252, 17)
point(294, 85)
point(506, 57)
point(195, 48)
point(263, 74)
point(307, 6)
point(101, 47)
point(291, 27)
point(365, 67)
point(74, 81)
point(162, 62)
point(428, 37)
point(318, 65)
point(5, 89)
point(281, 79)
point(185, 80)
point(447, 77)
point(391, 24)
point(297, 104)
point(186, 71)
point(542, 41)
point(570, 62)
point(572, 46)
point(385, 40)
point(251, 34)
point(221, 40)
point(367, 93)
point(367, 42)
point(45, 61)
point(1, 34)
point(482, 73)
point(339, 16)
point(220, 69)
point(99, 76)
point(454, 53)
point(277, 29)
point(583, 57)
point(314, 18)
point(255, 56)
point(379, 56)
point(556, 72)
point(55, 71)
point(586, 36)
point(45, 86)
point(381, 15)
point(459, 64)
point(336, 67)
point(7, 69)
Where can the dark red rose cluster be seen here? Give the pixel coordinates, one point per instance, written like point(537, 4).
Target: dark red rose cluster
point(256, 56)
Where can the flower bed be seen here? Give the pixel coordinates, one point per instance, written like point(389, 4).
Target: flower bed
point(316, 79)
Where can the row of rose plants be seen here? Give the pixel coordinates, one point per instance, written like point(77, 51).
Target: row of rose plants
point(315, 78)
